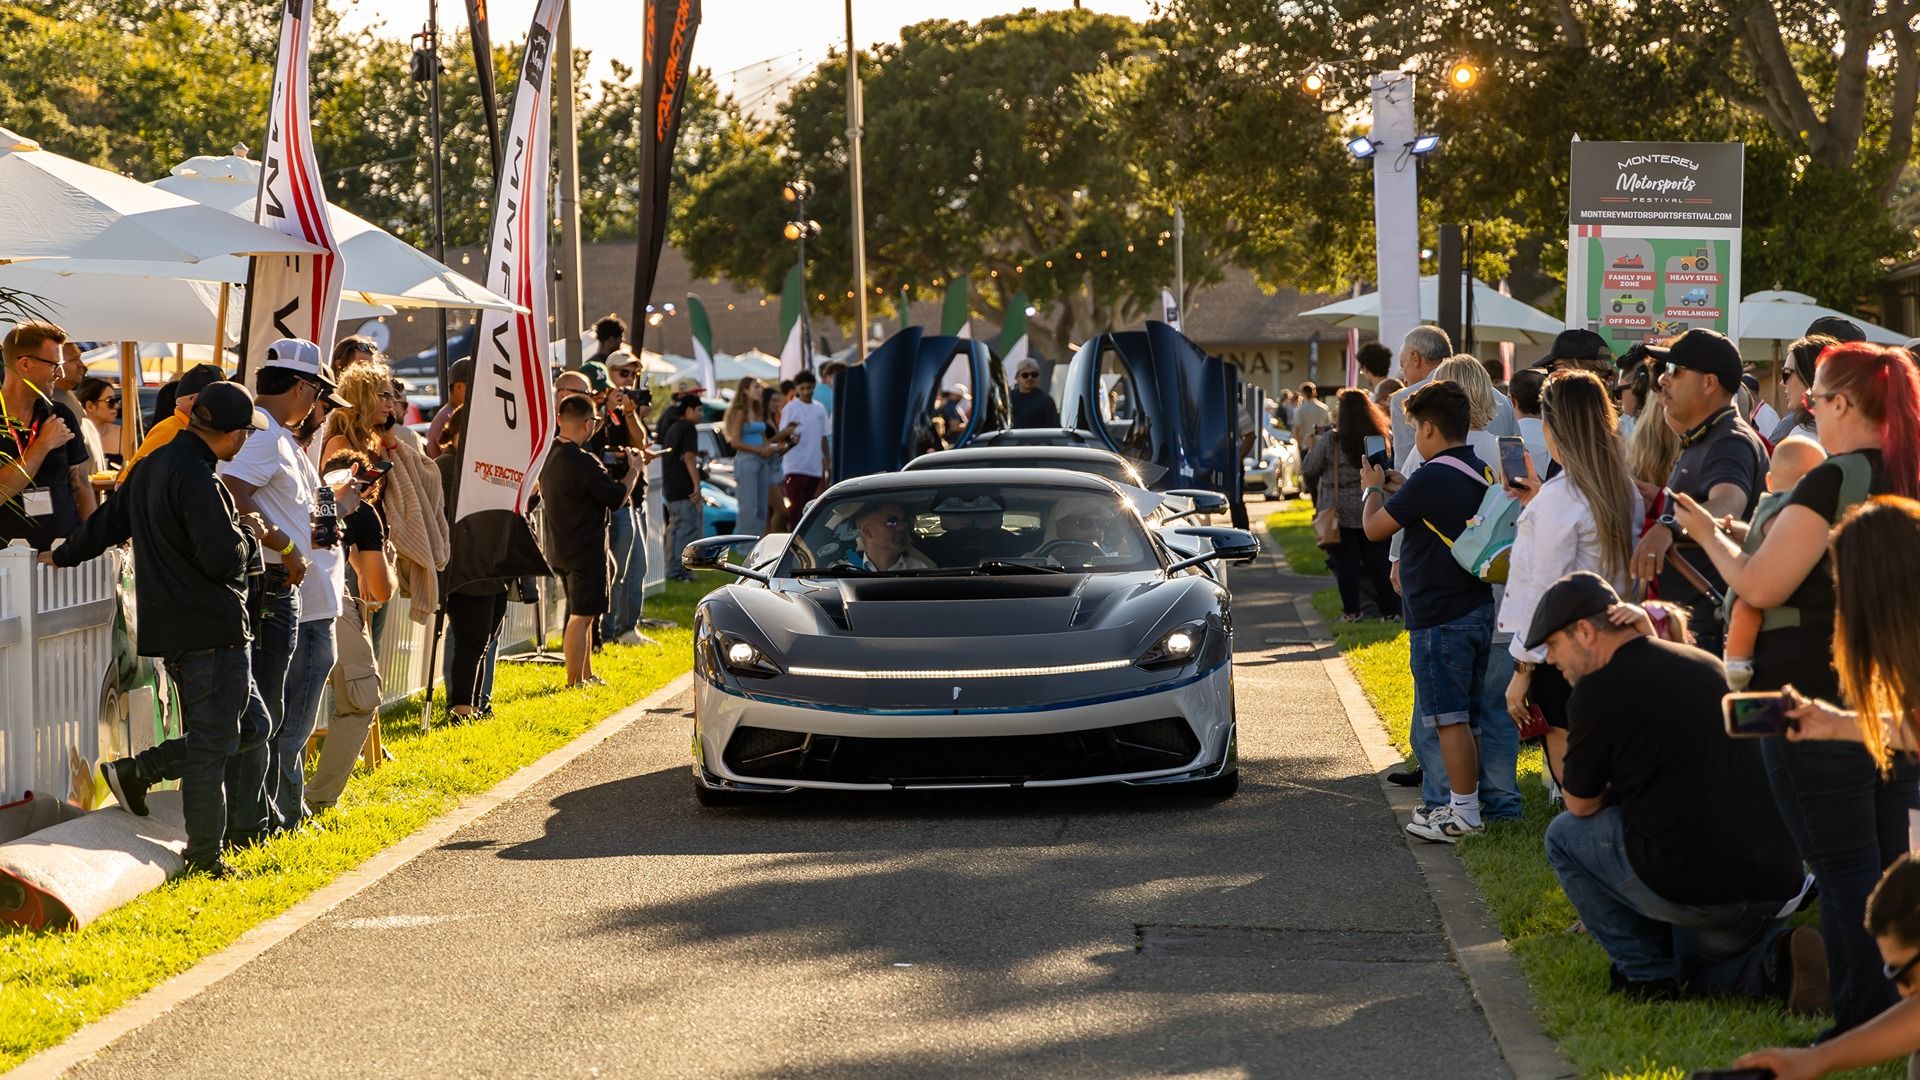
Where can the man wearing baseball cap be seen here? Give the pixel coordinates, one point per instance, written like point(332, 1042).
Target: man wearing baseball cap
point(1722, 466)
point(1671, 849)
point(196, 379)
point(194, 555)
point(274, 477)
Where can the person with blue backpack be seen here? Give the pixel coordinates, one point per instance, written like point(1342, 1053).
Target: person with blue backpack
point(1448, 610)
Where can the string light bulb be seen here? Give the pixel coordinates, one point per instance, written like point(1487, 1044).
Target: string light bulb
point(1313, 84)
point(1462, 75)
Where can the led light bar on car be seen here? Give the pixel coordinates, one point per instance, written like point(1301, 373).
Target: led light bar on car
point(960, 673)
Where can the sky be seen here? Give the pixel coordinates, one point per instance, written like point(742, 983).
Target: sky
point(753, 47)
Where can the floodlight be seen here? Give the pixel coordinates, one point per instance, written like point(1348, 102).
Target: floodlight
point(1422, 145)
point(1362, 147)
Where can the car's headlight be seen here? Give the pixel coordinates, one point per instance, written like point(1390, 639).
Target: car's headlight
point(742, 657)
point(1178, 646)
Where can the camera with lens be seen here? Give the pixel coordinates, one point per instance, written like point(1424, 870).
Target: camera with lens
point(325, 519)
point(641, 395)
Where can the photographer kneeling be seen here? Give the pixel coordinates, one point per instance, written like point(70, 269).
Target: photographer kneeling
point(1670, 851)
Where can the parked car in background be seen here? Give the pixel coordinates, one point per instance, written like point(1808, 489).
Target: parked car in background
point(1273, 469)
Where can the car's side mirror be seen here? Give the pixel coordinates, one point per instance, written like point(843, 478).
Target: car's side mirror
point(711, 554)
point(1203, 502)
point(1230, 545)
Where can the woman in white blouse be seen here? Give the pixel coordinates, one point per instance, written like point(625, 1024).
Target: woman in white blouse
point(1584, 518)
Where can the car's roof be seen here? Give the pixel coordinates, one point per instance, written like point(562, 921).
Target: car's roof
point(1060, 436)
point(920, 479)
point(980, 456)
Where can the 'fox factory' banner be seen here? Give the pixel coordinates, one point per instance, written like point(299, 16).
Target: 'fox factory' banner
point(670, 27)
point(291, 295)
point(1653, 242)
point(510, 403)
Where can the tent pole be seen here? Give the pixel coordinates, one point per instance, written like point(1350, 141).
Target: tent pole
point(220, 326)
point(130, 379)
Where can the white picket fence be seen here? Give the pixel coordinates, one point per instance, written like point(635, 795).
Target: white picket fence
point(56, 651)
point(62, 688)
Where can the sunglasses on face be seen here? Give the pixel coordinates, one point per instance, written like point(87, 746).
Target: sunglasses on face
point(894, 521)
point(1896, 973)
point(1029, 375)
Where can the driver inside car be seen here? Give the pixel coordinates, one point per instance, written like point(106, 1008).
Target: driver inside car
point(884, 530)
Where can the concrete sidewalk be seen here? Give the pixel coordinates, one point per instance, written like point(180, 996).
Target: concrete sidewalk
point(603, 924)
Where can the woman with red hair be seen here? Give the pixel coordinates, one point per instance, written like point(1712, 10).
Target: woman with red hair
point(1847, 816)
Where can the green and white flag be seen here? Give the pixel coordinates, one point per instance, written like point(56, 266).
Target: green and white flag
point(955, 320)
point(702, 329)
point(793, 327)
point(1014, 342)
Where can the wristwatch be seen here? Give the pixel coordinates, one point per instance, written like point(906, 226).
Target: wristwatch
point(1672, 525)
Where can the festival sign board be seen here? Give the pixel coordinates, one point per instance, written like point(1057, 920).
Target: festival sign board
point(1653, 240)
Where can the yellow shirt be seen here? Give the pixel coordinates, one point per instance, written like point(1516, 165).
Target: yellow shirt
point(162, 434)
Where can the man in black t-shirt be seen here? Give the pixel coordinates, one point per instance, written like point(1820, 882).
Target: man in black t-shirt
point(620, 443)
point(1671, 849)
point(680, 481)
point(43, 460)
point(578, 496)
point(1722, 466)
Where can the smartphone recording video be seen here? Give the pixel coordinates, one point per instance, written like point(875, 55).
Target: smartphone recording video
point(1376, 448)
point(1756, 715)
point(1513, 459)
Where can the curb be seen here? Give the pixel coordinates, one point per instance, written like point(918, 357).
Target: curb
point(1493, 976)
point(97, 1036)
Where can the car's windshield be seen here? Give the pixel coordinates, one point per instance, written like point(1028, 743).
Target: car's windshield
point(949, 528)
point(1106, 468)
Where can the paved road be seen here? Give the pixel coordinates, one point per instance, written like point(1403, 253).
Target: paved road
point(602, 924)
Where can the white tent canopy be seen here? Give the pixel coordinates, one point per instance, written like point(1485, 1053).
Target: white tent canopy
point(730, 369)
point(1495, 317)
point(1777, 315)
point(59, 208)
point(117, 307)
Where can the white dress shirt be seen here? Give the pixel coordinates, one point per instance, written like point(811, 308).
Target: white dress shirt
point(1555, 536)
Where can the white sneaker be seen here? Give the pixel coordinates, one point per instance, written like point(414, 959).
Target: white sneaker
point(1420, 814)
point(635, 637)
point(1442, 826)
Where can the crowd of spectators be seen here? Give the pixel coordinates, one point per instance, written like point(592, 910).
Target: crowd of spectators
point(1670, 539)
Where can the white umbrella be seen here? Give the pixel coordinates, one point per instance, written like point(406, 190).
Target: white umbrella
point(118, 307)
point(380, 267)
point(728, 369)
point(1495, 317)
point(58, 208)
point(1776, 315)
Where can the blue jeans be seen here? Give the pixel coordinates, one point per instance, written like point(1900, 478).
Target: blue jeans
point(1718, 948)
point(627, 539)
point(683, 528)
point(1451, 674)
point(1848, 824)
point(313, 656)
point(222, 716)
point(250, 807)
point(750, 472)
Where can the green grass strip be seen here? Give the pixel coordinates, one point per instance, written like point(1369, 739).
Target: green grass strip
point(1602, 1034)
point(52, 984)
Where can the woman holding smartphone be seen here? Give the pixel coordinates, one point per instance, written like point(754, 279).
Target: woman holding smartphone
point(1332, 472)
point(1847, 812)
point(1586, 517)
point(746, 429)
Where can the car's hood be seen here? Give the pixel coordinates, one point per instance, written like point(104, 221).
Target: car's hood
point(974, 624)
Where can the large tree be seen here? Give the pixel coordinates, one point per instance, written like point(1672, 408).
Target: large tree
point(984, 155)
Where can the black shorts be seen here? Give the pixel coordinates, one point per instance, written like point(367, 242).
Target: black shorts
point(586, 591)
point(1550, 690)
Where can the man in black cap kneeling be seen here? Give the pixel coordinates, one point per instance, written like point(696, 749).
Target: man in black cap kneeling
point(1671, 849)
point(194, 557)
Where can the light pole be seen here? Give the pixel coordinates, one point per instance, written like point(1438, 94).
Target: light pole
point(854, 120)
point(797, 230)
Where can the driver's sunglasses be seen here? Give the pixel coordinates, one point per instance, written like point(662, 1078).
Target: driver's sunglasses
point(1895, 974)
point(894, 521)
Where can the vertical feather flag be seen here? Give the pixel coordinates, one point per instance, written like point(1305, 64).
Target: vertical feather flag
point(668, 48)
point(793, 325)
point(510, 424)
point(955, 319)
point(294, 296)
point(1014, 341)
point(702, 329)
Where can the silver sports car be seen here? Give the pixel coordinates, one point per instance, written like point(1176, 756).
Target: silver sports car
point(966, 628)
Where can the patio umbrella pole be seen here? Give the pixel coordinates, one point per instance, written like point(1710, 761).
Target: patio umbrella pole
point(220, 326)
point(130, 378)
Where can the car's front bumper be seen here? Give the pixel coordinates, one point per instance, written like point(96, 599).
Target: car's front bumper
point(1182, 732)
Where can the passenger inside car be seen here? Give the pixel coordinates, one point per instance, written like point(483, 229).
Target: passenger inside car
point(885, 530)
